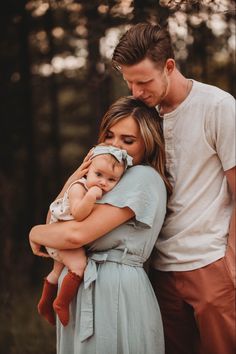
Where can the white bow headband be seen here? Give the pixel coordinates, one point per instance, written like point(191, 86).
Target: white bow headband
point(119, 154)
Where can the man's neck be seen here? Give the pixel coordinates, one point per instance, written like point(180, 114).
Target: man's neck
point(179, 91)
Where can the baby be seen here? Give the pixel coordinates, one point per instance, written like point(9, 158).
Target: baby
point(107, 167)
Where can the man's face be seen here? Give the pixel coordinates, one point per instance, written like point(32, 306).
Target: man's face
point(146, 82)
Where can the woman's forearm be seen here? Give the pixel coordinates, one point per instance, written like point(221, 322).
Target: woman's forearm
point(74, 234)
point(61, 235)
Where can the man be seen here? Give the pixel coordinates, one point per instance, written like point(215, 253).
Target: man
point(193, 267)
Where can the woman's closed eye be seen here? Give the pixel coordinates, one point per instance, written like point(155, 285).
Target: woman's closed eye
point(124, 140)
point(128, 141)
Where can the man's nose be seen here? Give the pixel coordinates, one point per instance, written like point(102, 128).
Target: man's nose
point(136, 91)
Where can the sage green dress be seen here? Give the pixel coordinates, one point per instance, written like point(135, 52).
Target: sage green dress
point(116, 311)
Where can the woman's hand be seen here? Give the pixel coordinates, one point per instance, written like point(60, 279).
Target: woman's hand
point(36, 249)
point(79, 173)
point(83, 168)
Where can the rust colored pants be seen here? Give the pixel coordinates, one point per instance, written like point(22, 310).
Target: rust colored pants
point(198, 309)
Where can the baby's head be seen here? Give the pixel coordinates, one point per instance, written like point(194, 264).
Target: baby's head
point(107, 167)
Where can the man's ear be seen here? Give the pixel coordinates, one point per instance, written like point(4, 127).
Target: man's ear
point(169, 66)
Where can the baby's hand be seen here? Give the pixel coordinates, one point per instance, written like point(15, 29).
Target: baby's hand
point(95, 192)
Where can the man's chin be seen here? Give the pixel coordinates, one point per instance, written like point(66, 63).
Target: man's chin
point(148, 103)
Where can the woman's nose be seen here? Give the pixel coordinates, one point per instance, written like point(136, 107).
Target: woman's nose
point(116, 143)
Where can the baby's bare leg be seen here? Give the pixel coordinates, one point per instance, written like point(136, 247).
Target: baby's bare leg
point(53, 276)
point(75, 260)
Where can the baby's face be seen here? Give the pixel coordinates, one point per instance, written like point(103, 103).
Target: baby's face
point(103, 174)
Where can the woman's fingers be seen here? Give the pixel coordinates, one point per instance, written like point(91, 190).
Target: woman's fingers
point(81, 171)
point(89, 155)
point(42, 254)
point(36, 249)
point(85, 165)
point(83, 168)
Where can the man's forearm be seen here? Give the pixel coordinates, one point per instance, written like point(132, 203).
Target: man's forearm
point(231, 247)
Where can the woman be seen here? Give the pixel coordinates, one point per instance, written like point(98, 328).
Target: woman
point(116, 310)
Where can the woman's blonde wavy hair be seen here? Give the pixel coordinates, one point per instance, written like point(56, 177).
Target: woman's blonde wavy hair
point(150, 128)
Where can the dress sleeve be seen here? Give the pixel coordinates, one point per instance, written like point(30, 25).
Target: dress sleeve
point(143, 191)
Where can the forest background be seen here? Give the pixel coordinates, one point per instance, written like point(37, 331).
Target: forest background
point(56, 83)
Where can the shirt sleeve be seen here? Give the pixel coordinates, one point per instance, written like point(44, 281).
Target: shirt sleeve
point(143, 191)
point(221, 131)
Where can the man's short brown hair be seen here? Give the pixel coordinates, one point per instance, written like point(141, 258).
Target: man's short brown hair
point(142, 41)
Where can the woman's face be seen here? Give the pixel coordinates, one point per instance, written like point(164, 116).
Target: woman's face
point(125, 134)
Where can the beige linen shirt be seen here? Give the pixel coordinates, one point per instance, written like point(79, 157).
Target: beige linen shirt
point(200, 146)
